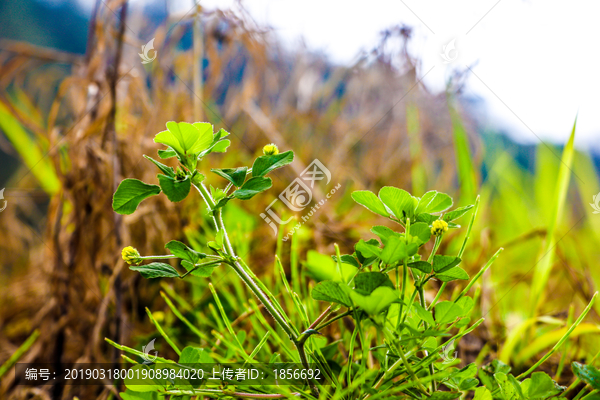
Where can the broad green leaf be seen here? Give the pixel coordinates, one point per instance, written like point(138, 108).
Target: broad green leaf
point(195, 355)
point(446, 312)
point(200, 271)
point(481, 393)
point(237, 176)
point(542, 386)
point(466, 303)
point(368, 199)
point(423, 266)
point(452, 274)
point(182, 251)
point(323, 268)
point(399, 201)
point(426, 218)
point(368, 249)
point(509, 392)
point(130, 194)
point(444, 263)
point(433, 202)
point(265, 164)
point(376, 302)
point(468, 384)
point(155, 270)
point(169, 153)
point(383, 232)
point(204, 132)
point(186, 138)
point(217, 145)
point(587, 373)
point(252, 187)
point(421, 232)
point(332, 292)
point(366, 282)
point(463, 379)
point(165, 169)
point(395, 250)
point(348, 259)
point(424, 314)
point(455, 214)
point(176, 190)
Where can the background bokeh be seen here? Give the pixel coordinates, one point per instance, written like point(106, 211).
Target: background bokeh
point(78, 109)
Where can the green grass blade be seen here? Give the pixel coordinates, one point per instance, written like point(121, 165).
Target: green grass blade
point(162, 332)
point(467, 175)
point(19, 353)
point(29, 151)
point(544, 266)
point(562, 340)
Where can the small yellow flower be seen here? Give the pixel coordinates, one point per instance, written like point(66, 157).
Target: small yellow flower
point(131, 255)
point(270, 149)
point(439, 227)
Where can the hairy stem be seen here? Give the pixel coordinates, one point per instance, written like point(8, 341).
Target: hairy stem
point(239, 269)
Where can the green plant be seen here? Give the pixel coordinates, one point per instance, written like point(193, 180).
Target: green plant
point(397, 345)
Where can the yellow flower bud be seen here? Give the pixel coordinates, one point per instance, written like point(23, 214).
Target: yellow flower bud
point(439, 227)
point(131, 256)
point(270, 149)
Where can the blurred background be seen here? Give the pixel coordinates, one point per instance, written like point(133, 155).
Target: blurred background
point(476, 98)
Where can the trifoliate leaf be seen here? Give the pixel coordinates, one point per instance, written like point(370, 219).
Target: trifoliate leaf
point(399, 201)
point(433, 202)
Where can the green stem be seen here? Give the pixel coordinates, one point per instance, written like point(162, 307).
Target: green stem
point(431, 367)
point(19, 353)
point(239, 269)
point(332, 320)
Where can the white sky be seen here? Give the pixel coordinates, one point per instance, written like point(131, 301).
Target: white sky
point(538, 58)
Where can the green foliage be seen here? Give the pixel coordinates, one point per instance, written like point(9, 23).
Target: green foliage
point(130, 193)
point(398, 345)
